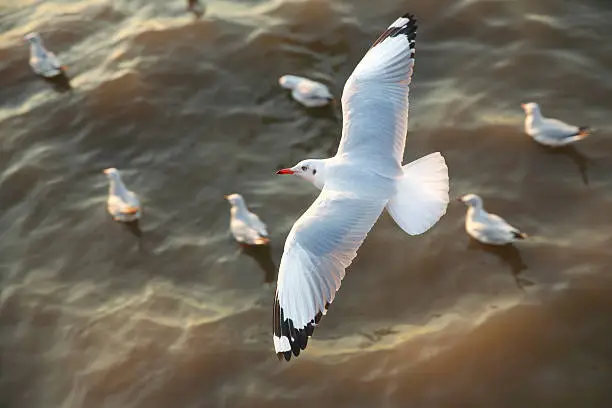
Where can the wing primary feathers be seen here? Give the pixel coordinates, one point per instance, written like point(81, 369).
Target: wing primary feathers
point(298, 338)
point(408, 28)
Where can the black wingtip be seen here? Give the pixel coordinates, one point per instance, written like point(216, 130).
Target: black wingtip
point(584, 131)
point(408, 29)
point(284, 327)
point(519, 235)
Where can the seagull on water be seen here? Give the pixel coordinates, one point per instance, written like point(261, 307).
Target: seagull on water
point(245, 226)
point(485, 227)
point(42, 61)
point(550, 132)
point(309, 93)
point(122, 203)
point(358, 183)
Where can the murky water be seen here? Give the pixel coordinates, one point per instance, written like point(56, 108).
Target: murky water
point(94, 315)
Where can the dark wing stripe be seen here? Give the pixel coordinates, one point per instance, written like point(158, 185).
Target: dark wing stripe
point(408, 29)
point(298, 338)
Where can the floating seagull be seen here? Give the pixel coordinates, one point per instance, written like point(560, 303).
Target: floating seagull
point(195, 7)
point(309, 93)
point(487, 228)
point(43, 62)
point(246, 227)
point(364, 178)
point(550, 132)
point(122, 203)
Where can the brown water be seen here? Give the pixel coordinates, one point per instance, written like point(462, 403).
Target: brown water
point(92, 315)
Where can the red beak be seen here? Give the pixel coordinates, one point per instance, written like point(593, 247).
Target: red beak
point(285, 171)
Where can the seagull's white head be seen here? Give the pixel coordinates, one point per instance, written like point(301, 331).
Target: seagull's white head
point(530, 108)
point(472, 200)
point(112, 173)
point(288, 81)
point(235, 200)
point(312, 170)
point(33, 38)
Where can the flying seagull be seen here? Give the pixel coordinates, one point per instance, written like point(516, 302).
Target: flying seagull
point(358, 183)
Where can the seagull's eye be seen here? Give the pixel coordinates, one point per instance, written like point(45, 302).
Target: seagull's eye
point(314, 171)
point(304, 168)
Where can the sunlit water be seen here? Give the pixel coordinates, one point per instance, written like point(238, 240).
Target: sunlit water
point(93, 314)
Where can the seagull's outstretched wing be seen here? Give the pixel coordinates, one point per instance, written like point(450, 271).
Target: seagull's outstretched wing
point(321, 244)
point(375, 99)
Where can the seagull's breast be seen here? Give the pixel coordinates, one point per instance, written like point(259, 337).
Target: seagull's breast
point(353, 176)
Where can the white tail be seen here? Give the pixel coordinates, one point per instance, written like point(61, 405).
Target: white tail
point(422, 194)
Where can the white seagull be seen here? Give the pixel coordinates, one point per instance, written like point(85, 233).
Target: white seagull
point(245, 226)
point(43, 62)
point(122, 203)
point(550, 132)
point(309, 93)
point(487, 228)
point(358, 183)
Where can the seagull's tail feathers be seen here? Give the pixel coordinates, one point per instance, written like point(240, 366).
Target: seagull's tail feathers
point(519, 235)
point(422, 194)
point(130, 210)
point(584, 131)
point(262, 241)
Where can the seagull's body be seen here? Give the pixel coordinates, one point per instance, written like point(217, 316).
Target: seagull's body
point(485, 227)
point(550, 132)
point(309, 93)
point(246, 227)
point(42, 61)
point(122, 204)
point(358, 183)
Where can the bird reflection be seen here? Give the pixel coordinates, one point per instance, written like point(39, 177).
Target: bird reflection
point(60, 83)
point(262, 254)
point(579, 159)
point(509, 255)
point(134, 228)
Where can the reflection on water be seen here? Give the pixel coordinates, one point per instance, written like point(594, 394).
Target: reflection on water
point(508, 255)
point(168, 313)
point(262, 254)
point(570, 151)
point(60, 83)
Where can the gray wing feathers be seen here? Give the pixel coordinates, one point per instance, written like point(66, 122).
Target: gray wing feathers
point(375, 101)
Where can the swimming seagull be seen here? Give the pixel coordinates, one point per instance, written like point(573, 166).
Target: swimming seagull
point(245, 226)
point(487, 228)
point(43, 62)
point(122, 203)
point(358, 183)
point(550, 132)
point(309, 93)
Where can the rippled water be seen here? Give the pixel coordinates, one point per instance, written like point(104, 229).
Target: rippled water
point(93, 315)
